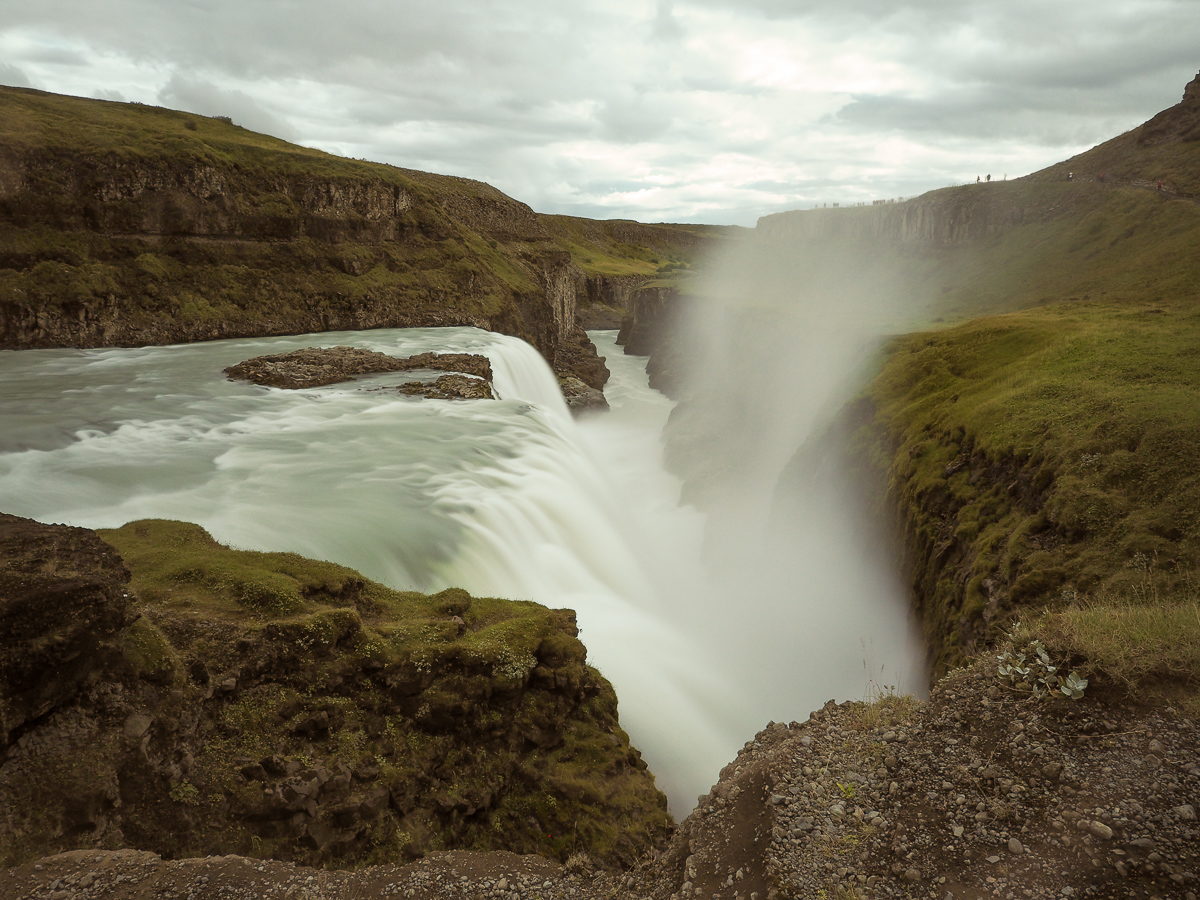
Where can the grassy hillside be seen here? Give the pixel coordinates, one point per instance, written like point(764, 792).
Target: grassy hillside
point(1087, 241)
point(1161, 150)
point(126, 224)
point(1043, 454)
point(1044, 459)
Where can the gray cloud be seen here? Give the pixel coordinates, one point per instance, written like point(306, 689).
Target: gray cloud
point(197, 96)
point(666, 26)
point(681, 109)
point(13, 77)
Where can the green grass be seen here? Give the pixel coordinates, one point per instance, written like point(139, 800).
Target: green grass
point(1137, 645)
point(1046, 455)
point(1086, 242)
point(1051, 453)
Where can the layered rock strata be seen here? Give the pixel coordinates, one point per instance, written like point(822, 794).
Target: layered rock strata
point(147, 226)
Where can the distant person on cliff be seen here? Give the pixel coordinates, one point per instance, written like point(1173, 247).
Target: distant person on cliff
point(1070, 176)
point(989, 177)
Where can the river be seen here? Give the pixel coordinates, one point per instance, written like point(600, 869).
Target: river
point(508, 498)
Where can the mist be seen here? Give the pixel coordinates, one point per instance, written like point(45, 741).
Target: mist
point(801, 598)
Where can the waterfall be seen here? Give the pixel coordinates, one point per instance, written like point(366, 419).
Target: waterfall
point(509, 498)
point(519, 372)
point(504, 498)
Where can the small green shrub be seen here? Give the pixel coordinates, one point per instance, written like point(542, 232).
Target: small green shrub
point(1031, 670)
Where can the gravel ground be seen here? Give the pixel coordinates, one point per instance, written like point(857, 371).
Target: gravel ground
point(981, 792)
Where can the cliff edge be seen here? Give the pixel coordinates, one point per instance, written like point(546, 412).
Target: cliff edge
point(206, 700)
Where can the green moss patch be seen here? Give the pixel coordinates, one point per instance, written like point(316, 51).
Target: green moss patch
point(1043, 457)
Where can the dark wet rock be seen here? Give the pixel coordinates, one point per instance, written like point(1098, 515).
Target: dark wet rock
point(317, 366)
point(63, 594)
point(450, 387)
point(580, 397)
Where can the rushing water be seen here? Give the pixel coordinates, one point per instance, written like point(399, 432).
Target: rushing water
point(505, 498)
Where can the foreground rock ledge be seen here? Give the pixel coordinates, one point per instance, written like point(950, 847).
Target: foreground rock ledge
point(980, 792)
point(63, 595)
point(267, 704)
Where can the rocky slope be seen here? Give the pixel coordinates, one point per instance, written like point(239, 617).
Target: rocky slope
point(983, 791)
point(231, 702)
point(1157, 155)
point(124, 225)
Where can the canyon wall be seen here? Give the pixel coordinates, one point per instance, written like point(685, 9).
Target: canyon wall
point(162, 692)
point(124, 225)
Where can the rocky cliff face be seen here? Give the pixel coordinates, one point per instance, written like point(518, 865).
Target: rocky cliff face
point(653, 327)
point(148, 226)
point(63, 596)
point(278, 707)
point(938, 219)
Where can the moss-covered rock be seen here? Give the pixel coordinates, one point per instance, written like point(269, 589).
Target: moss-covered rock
point(271, 705)
point(1039, 460)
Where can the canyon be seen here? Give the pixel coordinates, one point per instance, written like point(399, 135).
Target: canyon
point(1023, 432)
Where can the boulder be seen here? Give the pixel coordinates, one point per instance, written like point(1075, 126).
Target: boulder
point(63, 593)
point(579, 396)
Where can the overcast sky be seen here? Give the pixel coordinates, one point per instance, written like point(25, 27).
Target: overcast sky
point(659, 110)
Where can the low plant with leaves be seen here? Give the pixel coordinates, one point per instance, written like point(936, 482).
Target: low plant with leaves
point(1030, 669)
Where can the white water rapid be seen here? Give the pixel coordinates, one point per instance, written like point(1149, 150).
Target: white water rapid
point(504, 498)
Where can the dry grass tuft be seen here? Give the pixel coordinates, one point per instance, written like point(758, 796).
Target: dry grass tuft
point(1135, 645)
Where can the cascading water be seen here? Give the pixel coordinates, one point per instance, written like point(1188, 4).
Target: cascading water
point(504, 498)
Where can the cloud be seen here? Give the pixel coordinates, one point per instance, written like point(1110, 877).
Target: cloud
point(13, 77)
point(666, 26)
point(205, 98)
point(641, 108)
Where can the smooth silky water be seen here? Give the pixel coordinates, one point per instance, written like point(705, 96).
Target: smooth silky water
point(506, 498)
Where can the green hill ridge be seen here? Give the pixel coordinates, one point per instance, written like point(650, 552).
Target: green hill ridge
point(123, 224)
